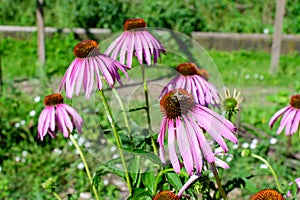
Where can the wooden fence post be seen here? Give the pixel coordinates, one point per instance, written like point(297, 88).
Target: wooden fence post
point(276, 44)
point(41, 32)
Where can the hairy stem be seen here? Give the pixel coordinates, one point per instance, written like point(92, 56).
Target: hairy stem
point(148, 110)
point(220, 187)
point(85, 165)
point(117, 137)
point(271, 169)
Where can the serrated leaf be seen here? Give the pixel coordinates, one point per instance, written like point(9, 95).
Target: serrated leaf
point(174, 180)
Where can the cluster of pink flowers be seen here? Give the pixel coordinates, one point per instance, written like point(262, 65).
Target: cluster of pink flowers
point(184, 102)
point(189, 126)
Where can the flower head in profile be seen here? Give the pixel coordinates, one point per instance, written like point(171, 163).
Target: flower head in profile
point(137, 41)
point(269, 194)
point(231, 102)
point(90, 63)
point(187, 124)
point(194, 81)
point(290, 116)
point(57, 115)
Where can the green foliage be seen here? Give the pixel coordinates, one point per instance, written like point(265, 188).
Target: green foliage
point(184, 16)
point(21, 175)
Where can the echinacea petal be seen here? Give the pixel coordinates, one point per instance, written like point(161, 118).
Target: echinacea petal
point(290, 119)
point(79, 78)
point(284, 121)
point(296, 121)
point(118, 47)
point(60, 119)
point(221, 163)
point(184, 146)
point(145, 48)
point(76, 118)
point(161, 138)
point(277, 115)
point(206, 149)
point(113, 45)
point(138, 49)
point(52, 118)
point(197, 157)
point(42, 123)
point(102, 65)
point(130, 49)
point(171, 146)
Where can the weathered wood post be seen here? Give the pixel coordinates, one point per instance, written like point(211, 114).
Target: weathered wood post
point(276, 44)
point(41, 32)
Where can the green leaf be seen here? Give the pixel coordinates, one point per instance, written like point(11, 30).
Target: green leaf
point(134, 169)
point(140, 193)
point(109, 167)
point(174, 180)
point(148, 180)
point(145, 154)
point(250, 186)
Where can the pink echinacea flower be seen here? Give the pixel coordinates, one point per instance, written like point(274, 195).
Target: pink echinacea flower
point(137, 41)
point(186, 124)
point(290, 117)
point(55, 115)
point(194, 81)
point(90, 63)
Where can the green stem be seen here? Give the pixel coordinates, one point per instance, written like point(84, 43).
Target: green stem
point(153, 143)
point(220, 187)
point(85, 165)
point(56, 196)
point(271, 169)
point(117, 137)
point(122, 109)
point(162, 172)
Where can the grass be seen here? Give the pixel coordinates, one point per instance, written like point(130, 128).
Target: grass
point(22, 173)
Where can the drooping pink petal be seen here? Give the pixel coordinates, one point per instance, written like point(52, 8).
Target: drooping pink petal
point(130, 49)
point(171, 146)
point(195, 148)
point(42, 123)
point(118, 46)
point(206, 149)
point(79, 79)
point(113, 45)
point(184, 146)
point(60, 119)
point(284, 121)
point(188, 183)
point(98, 77)
point(76, 118)
point(217, 119)
point(103, 68)
point(277, 115)
point(296, 122)
point(221, 163)
point(291, 117)
point(52, 118)
point(161, 138)
point(145, 48)
point(138, 49)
